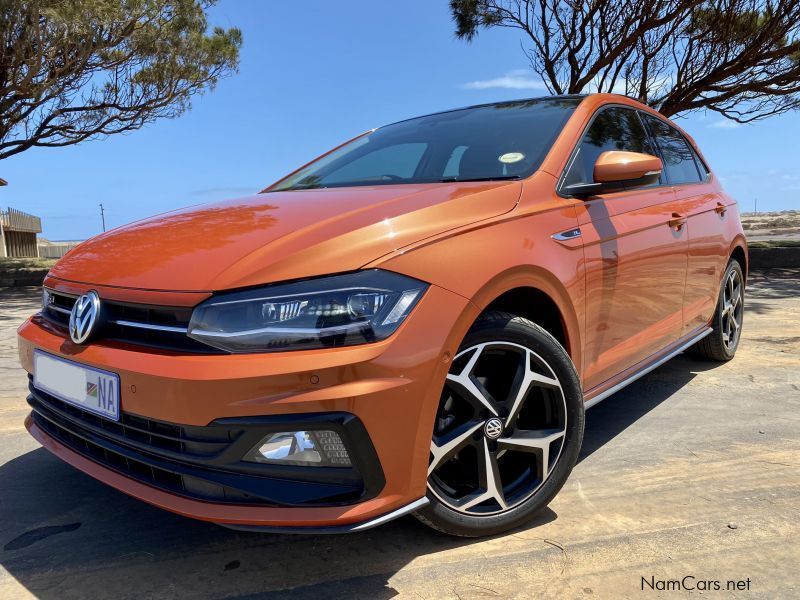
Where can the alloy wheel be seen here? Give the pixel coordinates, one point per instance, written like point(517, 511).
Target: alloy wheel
point(732, 310)
point(499, 431)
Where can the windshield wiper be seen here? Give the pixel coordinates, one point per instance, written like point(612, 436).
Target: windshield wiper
point(497, 178)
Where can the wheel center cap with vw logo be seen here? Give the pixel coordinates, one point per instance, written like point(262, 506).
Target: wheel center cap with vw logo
point(84, 317)
point(493, 428)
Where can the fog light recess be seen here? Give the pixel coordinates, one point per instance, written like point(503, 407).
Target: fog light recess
point(323, 448)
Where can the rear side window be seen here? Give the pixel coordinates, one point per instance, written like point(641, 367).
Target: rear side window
point(680, 162)
point(612, 129)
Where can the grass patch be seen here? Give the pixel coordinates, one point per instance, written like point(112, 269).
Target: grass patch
point(26, 264)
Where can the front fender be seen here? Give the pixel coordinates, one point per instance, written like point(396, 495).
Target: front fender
point(485, 262)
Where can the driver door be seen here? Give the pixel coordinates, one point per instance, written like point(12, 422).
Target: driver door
point(635, 249)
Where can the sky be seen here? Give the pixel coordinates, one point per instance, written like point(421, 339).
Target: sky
point(312, 78)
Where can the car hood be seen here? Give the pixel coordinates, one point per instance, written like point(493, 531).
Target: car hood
point(279, 235)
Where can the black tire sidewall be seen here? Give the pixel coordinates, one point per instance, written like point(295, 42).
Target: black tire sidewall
point(504, 327)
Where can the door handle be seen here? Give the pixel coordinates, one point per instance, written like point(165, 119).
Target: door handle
point(677, 221)
point(721, 209)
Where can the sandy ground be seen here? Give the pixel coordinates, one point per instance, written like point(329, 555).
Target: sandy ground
point(692, 471)
point(772, 226)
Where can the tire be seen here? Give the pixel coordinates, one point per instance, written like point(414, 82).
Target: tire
point(719, 345)
point(541, 429)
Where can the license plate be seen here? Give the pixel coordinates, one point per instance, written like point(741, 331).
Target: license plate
point(91, 389)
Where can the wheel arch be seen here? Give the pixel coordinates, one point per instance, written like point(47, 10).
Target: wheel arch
point(739, 252)
point(537, 295)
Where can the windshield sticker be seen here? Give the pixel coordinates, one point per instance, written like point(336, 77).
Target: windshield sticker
point(511, 157)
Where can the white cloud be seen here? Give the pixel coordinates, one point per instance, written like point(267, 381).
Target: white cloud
point(725, 124)
point(519, 79)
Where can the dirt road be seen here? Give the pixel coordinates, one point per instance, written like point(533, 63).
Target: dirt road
point(690, 474)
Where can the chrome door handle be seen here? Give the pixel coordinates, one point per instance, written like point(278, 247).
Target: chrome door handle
point(721, 209)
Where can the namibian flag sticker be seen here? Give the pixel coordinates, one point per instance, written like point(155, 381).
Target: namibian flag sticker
point(91, 390)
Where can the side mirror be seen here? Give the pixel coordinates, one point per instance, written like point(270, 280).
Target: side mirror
point(618, 169)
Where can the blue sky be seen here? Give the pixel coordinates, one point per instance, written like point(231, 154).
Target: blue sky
point(312, 78)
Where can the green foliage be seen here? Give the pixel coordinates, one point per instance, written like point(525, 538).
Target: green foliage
point(71, 70)
point(739, 58)
point(471, 15)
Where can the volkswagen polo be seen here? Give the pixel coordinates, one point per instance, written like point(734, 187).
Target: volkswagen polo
point(414, 322)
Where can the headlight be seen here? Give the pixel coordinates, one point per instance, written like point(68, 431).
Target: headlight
point(342, 310)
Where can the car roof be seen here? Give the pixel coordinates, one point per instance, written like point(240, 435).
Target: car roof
point(505, 103)
point(598, 98)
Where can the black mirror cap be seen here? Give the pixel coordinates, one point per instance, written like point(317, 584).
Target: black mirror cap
point(583, 190)
point(587, 190)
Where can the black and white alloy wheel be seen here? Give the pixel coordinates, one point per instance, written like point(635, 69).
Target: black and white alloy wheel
point(726, 323)
point(508, 428)
point(732, 309)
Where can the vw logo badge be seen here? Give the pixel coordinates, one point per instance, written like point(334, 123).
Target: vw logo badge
point(83, 318)
point(493, 428)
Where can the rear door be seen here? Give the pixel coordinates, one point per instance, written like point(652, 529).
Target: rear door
point(635, 252)
point(706, 215)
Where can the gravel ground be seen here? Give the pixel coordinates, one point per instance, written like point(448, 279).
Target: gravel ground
point(691, 471)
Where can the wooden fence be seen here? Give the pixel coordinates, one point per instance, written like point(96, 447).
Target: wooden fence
point(55, 249)
point(18, 233)
point(16, 220)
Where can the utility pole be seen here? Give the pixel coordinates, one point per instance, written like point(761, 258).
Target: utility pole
point(755, 208)
point(103, 216)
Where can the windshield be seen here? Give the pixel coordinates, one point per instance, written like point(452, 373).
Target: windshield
point(492, 142)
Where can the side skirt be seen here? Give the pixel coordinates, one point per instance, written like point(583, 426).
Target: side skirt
point(598, 394)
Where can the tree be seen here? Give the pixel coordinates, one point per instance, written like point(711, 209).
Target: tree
point(740, 58)
point(71, 70)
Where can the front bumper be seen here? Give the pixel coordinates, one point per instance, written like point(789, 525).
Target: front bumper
point(204, 463)
point(382, 397)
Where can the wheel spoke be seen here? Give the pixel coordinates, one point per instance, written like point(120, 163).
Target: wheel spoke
point(531, 378)
point(471, 392)
point(737, 296)
point(494, 484)
point(533, 440)
point(472, 361)
point(455, 443)
point(490, 482)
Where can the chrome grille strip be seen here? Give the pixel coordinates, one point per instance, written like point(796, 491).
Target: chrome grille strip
point(60, 293)
point(135, 327)
point(150, 326)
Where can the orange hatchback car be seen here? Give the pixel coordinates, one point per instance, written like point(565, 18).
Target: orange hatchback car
point(414, 322)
